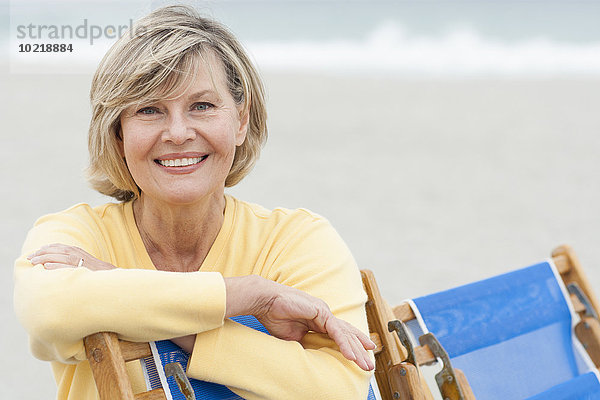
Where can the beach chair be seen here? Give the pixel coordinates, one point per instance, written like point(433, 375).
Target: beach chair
point(511, 336)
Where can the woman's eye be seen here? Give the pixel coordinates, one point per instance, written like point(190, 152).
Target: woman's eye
point(148, 111)
point(202, 106)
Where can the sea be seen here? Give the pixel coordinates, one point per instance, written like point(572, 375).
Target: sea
point(432, 38)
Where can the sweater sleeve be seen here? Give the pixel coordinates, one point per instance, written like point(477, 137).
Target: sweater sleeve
point(312, 258)
point(58, 308)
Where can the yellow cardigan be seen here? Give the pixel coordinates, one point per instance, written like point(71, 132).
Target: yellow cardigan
point(58, 308)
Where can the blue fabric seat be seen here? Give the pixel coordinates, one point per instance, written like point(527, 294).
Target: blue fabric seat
point(512, 336)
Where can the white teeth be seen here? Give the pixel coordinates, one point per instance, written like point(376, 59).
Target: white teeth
point(180, 162)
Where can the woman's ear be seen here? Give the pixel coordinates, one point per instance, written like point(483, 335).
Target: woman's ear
point(244, 122)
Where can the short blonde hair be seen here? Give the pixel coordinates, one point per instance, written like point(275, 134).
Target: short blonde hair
point(155, 60)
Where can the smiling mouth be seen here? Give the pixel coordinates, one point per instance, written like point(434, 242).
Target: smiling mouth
point(181, 162)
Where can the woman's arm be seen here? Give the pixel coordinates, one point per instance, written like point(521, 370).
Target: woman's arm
point(258, 366)
point(289, 314)
point(59, 307)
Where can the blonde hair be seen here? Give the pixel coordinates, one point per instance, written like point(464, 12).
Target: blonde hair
point(155, 60)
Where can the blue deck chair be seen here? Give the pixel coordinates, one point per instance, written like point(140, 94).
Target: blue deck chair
point(520, 335)
point(163, 364)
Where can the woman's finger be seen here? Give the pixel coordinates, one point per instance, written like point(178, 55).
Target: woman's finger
point(67, 259)
point(366, 341)
point(348, 339)
point(363, 358)
point(363, 338)
point(358, 351)
point(57, 255)
point(336, 331)
point(55, 248)
point(346, 349)
point(54, 265)
point(362, 355)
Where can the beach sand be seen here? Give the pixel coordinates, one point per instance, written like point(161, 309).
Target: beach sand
point(432, 183)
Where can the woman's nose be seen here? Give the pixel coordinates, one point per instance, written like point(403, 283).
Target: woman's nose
point(178, 129)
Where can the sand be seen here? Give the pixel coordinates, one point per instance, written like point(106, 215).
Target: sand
point(432, 183)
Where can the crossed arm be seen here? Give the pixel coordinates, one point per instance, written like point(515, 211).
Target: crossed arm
point(287, 313)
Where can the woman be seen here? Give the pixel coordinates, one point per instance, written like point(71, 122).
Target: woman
point(178, 115)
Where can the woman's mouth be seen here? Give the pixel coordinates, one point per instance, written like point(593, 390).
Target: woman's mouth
point(181, 162)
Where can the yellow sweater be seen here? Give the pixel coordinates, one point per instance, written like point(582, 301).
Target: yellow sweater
point(59, 308)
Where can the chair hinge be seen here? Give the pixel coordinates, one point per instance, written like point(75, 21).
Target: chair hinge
point(575, 289)
point(175, 370)
point(446, 378)
point(400, 328)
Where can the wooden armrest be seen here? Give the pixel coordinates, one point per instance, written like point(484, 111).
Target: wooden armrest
point(107, 356)
point(403, 312)
point(106, 360)
point(134, 351)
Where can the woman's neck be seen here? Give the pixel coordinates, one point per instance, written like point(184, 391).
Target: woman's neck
point(178, 238)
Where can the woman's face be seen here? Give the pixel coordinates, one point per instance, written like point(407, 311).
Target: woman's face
point(180, 151)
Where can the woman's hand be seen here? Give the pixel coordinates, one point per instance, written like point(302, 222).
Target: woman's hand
point(289, 314)
point(55, 256)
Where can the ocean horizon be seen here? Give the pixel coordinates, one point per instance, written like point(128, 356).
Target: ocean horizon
point(427, 39)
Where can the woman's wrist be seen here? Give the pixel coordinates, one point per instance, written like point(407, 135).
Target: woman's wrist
point(246, 295)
